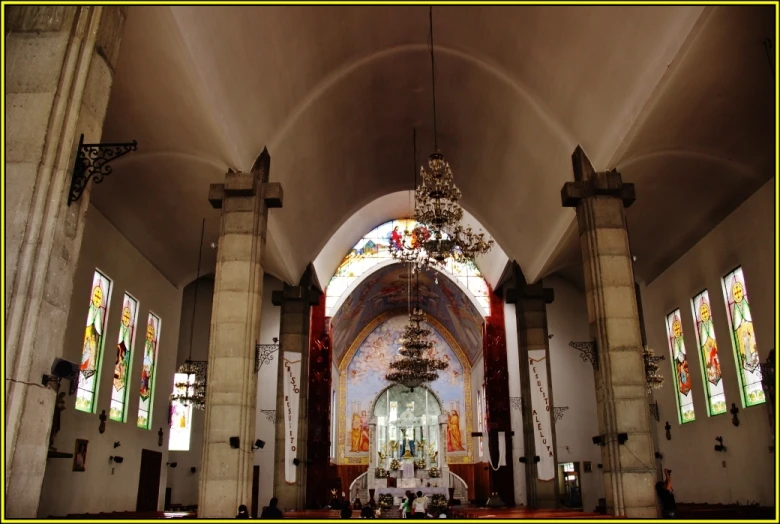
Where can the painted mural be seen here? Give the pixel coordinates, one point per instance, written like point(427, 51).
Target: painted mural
point(363, 377)
point(388, 290)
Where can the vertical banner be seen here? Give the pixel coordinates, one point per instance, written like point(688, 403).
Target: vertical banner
point(540, 402)
point(292, 376)
point(501, 448)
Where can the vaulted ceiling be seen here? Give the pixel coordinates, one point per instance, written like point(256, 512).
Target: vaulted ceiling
point(679, 99)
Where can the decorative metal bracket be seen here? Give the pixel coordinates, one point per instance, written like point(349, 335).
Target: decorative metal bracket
point(558, 413)
point(589, 351)
point(270, 415)
point(516, 403)
point(654, 411)
point(92, 163)
point(264, 353)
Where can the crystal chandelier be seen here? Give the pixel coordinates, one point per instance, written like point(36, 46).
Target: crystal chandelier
point(190, 379)
point(652, 379)
point(440, 234)
point(416, 365)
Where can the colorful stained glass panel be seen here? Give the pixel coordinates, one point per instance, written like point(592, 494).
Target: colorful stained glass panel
point(680, 369)
point(743, 338)
point(708, 354)
point(181, 415)
point(124, 350)
point(89, 371)
point(147, 371)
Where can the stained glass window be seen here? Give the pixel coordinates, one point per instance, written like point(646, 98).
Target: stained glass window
point(93, 343)
point(680, 370)
point(743, 338)
point(147, 371)
point(124, 348)
point(708, 354)
point(374, 249)
point(181, 415)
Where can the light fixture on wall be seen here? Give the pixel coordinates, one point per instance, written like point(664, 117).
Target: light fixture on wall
point(192, 391)
point(652, 379)
point(235, 442)
point(719, 446)
point(259, 444)
point(116, 458)
point(171, 464)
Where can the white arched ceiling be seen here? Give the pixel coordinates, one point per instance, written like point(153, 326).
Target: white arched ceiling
point(335, 91)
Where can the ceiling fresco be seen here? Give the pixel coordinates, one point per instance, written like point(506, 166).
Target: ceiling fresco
point(388, 290)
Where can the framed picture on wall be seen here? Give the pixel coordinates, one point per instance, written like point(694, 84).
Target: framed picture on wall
point(587, 466)
point(80, 455)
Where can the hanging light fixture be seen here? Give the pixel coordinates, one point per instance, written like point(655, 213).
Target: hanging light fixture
point(416, 365)
point(192, 390)
point(439, 234)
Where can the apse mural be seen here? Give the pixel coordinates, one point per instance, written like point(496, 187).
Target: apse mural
point(363, 377)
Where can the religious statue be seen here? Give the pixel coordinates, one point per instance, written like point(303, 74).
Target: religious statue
point(356, 428)
point(59, 406)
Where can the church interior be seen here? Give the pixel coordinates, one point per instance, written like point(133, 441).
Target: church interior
point(518, 258)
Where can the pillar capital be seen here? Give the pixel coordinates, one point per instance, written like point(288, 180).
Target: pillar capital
point(246, 185)
point(588, 183)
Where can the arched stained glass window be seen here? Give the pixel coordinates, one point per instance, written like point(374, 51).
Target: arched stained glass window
point(743, 339)
point(92, 349)
point(680, 370)
point(147, 371)
point(124, 350)
point(374, 249)
point(708, 354)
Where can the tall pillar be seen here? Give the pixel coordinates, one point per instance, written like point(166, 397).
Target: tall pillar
point(296, 302)
point(226, 472)
point(497, 400)
point(629, 473)
point(60, 63)
point(318, 445)
point(539, 442)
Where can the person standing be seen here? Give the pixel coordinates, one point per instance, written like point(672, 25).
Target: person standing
point(271, 511)
point(666, 496)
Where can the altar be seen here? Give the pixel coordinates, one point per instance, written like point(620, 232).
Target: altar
point(401, 492)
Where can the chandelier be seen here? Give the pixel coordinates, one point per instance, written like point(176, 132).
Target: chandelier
point(439, 235)
point(416, 365)
point(652, 379)
point(190, 379)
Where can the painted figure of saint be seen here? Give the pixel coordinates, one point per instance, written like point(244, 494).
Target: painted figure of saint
point(683, 377)
point(93, 332)
point(356, 431)
point(454, 442)
point(742, 324)
point(710, 347)
point(146, 371)
point(396, 238)
point(364, 438)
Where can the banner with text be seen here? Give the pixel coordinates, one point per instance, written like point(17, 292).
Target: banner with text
point(292, 388)
point(542, 416)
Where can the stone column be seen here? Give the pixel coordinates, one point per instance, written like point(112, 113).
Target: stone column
point(226, 472)
point(318, 443)
point(531, 312)
point(60, 63)
point(295, 302)
point(629, 474)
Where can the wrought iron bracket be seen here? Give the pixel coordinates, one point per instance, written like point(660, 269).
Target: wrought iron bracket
point(270, 415)
point(264, 353)
point(558, 413)
point(589, 351)
point(516, 403)
point(92, 162)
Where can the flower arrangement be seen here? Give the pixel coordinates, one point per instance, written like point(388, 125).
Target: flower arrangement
point(386, 500)
point(395, 465)
point(380, 473)
point(438, 501)
point(434, 472)
point(419, 464)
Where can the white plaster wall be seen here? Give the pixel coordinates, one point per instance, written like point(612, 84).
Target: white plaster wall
point(266, 393)
point(182, 481)
point(574, 387)
point(744, 238)
point(103, 487)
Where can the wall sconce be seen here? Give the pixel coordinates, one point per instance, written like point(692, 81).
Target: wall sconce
point(193, 469)
point(622, 438)
point(172, 464)
point(720, 446)
point(734, 410)
point(668, 429)
point(659, 455)
point(259, 444)
point(116, 459)
point(235, 442)
point(62, 369)
point(599, 440)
